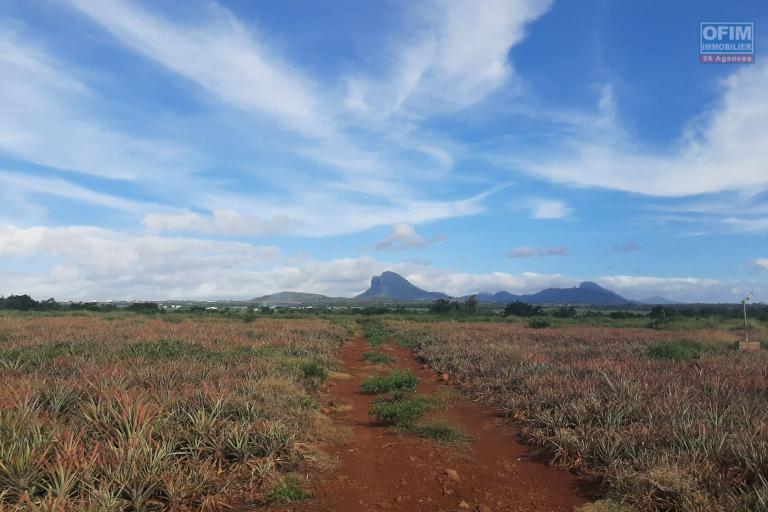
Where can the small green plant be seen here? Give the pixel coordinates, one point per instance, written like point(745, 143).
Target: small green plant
point(375, 332)
point(442, 432)
point(676, 350)
point(396, 380)
point(399, 411)
point(378, 358)
point(287, 492)
point(538, 323)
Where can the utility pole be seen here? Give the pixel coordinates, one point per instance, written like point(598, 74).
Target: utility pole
point(744, 302)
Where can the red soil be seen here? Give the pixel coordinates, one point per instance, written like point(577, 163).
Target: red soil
point(384, 470)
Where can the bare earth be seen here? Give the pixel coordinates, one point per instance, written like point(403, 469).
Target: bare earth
point(384, 470)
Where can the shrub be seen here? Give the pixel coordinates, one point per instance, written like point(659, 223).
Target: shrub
point(676, 350)
point(518, 308)
point(378, 358)
point(538, 323)
point(396, 380)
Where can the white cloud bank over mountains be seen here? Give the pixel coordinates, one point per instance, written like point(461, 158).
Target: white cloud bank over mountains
point(89, 263)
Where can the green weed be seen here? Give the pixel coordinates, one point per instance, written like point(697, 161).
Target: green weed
point(396, 380)
point(399, 411)
point(441, 432)
point(378, 358)
point(287, 492)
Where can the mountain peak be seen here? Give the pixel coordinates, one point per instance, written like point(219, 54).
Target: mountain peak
point(392, 286)
point(589, 285)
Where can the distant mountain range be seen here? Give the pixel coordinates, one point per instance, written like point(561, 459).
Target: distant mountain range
point(392, 287)
point(586, 293)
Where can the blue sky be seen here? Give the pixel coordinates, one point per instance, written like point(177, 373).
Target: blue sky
point(229, 149)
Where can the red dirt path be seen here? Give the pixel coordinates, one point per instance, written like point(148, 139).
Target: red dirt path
point(383, 470)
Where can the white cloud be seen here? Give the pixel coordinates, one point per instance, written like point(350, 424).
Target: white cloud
point(45, 118)
point(724, 148)
point(404, 236)
point(458, 56)
point(528, 252)
point(760, 264)
point(549, 208)
point(222, 222)
point(222, 57)
point(307, 214)
point(523, 252)
point(23, 184)
point(97, 264)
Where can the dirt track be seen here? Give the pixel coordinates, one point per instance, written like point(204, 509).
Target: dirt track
point(383, 470)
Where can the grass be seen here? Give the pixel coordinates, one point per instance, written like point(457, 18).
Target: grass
point(539, 323)
point(399, 410)
point(378, 358)
point(441, 432)
point(670, 420)
point(395, 380)
point(132, 412)
point(287, 492)
point(374, 331)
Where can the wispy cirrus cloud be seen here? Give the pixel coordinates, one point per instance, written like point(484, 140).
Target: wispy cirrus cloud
point(604, 155)
point(46, 114)
point(458, 55)
point(528, 252)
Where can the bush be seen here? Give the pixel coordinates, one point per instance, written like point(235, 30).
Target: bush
point(677, 350)
point(538, 323)
point(397, 380)
point(518, 308)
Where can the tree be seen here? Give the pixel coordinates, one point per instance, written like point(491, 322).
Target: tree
point(470, 305)
point(658, 313)
point(443, 306)
point(518, 308)
point(19, 302)
point(564, 312)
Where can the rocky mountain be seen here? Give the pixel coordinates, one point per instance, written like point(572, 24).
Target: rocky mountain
point(393, 286)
